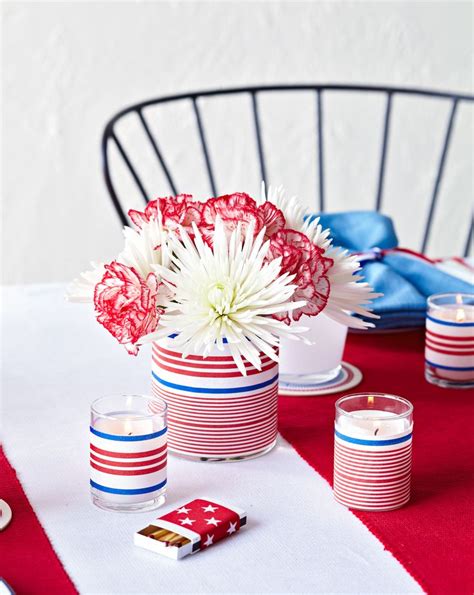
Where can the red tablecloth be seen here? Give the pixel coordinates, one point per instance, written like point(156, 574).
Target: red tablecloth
point(433, 536)
point(32, 570)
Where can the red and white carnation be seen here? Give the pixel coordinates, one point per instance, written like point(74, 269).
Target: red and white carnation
point(175, 211)
point(307, 263)
point(231, 209)
point(126, 304)
point(272, 218)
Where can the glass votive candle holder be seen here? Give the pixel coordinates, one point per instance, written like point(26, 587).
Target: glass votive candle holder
point(318, 363)
point(449, 342)
point(372, 451)
point(128, 452)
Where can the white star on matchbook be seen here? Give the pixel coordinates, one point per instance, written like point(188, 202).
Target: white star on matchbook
point(183, 510)
point(209, 508)
point(209, 541)
point(232, 528)
point(187, 521)
point(213, 521)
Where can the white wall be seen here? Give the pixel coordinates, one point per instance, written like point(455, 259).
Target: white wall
point(69, 66)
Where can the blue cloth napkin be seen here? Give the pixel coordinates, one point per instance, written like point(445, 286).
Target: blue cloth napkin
point(405, 280)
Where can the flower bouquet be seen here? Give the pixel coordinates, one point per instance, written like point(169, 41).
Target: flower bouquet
point(214, 285)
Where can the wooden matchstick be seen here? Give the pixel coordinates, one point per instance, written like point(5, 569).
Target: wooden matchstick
point(161, 534)
point(175, 539)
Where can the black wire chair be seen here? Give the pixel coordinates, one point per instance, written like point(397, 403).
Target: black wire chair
point(110, 136)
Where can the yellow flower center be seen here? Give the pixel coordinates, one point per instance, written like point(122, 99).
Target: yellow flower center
point(221, 296)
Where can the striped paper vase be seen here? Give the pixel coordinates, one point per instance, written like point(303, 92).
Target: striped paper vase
point(449, 346)
point(373, 455)
point(214, 412)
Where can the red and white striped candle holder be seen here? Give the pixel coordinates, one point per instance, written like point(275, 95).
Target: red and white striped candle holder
point(372, 451)
point(128, 451)
point(449, 346)
point(214, 412)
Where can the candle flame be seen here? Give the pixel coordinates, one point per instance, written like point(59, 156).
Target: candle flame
point(460, 315)
point(458, 298)
point(370, 401)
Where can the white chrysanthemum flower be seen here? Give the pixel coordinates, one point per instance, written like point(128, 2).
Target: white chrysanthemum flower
point(143, 249)
point(227, 293)
point(348, 294)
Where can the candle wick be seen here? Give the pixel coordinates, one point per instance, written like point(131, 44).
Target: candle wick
point(375, 433)
point(130, 433)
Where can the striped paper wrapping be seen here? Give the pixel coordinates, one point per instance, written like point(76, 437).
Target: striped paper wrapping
point(449, 349)
point(128, 469)
point(213, 410)
point(372, 474)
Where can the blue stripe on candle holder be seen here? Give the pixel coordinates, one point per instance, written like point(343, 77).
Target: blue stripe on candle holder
point(469, 369)
point(448, 323)
point(128, 438)
point(373, 442)
point(135, 492)
point(220, 391)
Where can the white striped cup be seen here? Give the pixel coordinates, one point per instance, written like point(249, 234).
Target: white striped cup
point(373, 451)
point(214, 412)
point(449, 344)
point(128, 452)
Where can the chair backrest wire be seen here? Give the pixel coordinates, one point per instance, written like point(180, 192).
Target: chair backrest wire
point(320, 93)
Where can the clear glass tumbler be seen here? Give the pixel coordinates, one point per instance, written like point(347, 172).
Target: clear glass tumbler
point(373, 451)
point(128, 452)
point(449, 344)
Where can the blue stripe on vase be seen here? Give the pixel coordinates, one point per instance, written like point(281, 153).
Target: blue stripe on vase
point(219, 391)
point(174, 335)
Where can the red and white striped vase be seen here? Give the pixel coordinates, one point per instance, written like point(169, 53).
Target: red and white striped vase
point(214, 412)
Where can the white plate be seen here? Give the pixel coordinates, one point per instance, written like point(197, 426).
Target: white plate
point(348, 377)
point(5, 514)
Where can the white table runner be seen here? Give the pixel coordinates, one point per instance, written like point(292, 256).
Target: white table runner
point(57, 359)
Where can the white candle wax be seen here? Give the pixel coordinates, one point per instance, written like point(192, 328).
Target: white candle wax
point(372, 422)
point(128, 425)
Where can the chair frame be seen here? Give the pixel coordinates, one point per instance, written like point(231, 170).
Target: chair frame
point(254, 92)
